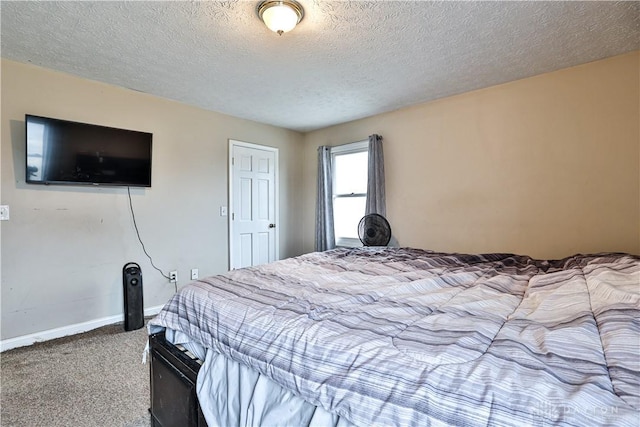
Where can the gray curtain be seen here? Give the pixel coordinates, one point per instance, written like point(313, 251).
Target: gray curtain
point(325, 236)
point(376, 200)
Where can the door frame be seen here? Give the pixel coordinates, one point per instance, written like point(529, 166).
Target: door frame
point(236, 143)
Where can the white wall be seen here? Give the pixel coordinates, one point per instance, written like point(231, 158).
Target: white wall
point(64, 247)
point(546, 166)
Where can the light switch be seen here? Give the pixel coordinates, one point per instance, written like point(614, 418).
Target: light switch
point(4, 213)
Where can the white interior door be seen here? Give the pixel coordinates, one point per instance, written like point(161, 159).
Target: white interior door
point(253, 200)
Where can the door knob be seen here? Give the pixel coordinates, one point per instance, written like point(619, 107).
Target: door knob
point(272, 226)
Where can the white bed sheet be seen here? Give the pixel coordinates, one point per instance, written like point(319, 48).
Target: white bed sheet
point(229, 393)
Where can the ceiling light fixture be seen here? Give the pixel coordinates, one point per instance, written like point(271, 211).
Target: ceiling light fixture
point(280, 16)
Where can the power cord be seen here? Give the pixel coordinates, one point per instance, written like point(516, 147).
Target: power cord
point(135, 225)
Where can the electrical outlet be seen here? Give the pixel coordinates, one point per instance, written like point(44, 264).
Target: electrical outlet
point(194, 273)
point(173, 276)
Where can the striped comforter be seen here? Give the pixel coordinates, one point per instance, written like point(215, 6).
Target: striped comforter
point(397, 336)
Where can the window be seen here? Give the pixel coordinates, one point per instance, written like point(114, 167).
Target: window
point(349, 163)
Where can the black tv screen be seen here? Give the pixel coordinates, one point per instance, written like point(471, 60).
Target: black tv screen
point(65, 152)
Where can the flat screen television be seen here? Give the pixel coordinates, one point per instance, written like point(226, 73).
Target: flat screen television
point(65, 152)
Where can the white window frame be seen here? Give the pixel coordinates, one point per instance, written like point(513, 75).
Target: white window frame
point(354, 147)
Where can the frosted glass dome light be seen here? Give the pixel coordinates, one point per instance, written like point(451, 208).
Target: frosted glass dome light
point(280, 16)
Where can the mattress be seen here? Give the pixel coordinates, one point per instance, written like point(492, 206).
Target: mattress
point(401, 336)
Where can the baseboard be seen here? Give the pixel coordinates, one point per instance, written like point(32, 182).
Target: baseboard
point(64, 331)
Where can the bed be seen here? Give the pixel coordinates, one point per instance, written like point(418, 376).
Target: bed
point(406, 337)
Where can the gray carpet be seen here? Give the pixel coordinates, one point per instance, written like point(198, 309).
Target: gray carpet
point(92, 379)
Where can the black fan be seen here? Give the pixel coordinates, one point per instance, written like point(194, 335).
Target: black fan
point(374, 230)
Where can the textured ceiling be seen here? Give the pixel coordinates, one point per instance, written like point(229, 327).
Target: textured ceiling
point(345, 60)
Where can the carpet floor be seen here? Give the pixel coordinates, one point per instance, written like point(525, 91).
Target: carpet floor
point(91, 379)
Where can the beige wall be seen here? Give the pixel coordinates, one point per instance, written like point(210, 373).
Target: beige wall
point(64, 247)
point(546, 166)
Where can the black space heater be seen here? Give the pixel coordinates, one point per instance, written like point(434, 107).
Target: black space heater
point(133, 305)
